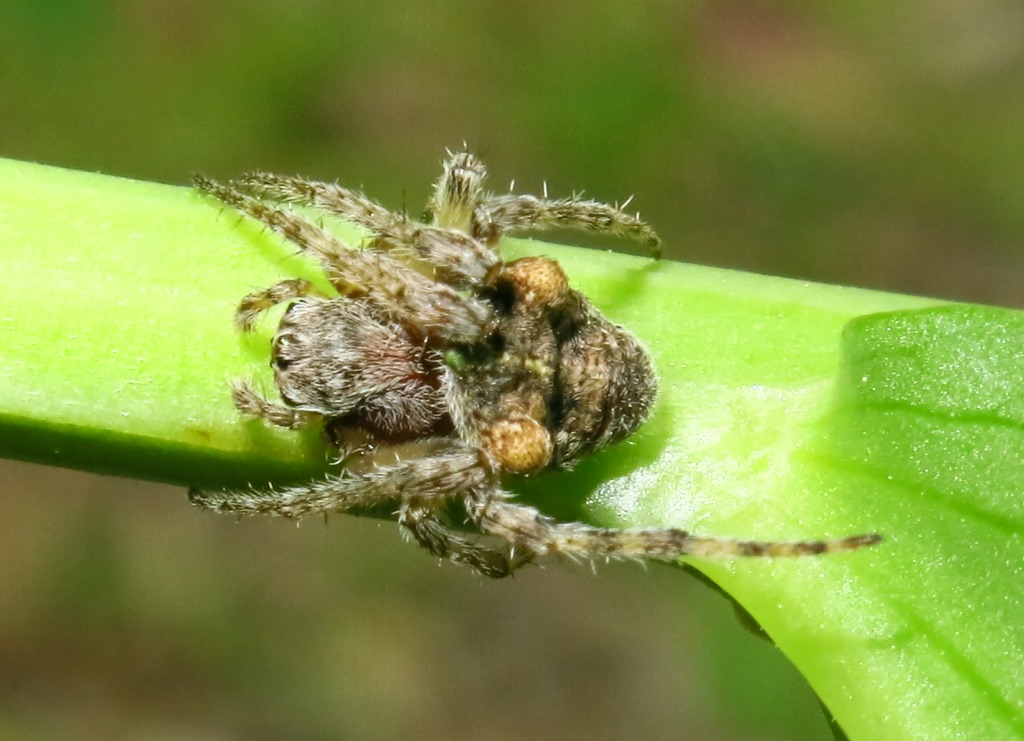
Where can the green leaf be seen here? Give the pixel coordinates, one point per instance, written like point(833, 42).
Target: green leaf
point(787, 410)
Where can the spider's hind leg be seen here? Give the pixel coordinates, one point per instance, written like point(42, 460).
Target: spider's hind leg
point(427, 529)
point(511, 212)
point(529, 528)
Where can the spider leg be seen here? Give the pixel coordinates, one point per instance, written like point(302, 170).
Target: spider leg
point(429, 481)
point(249, 401)
point(421, 485)
point(457, 192)
point(256, 303)
point(347, 203)
point(534, 531)
point(427, 529)
point(457, 257)
point(394, 289)
point(499, 214)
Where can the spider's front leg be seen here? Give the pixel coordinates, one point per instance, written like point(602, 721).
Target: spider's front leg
point(256, 303)
point(456, 257)
point(431, 481)
point(394, 289)
point(249, 401)
point(420, 487)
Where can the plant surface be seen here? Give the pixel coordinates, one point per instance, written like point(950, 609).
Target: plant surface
point(787, 410)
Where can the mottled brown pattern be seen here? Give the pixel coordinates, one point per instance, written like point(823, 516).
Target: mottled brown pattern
point(435, 388)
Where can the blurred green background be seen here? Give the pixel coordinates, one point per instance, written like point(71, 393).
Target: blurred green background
point(872, 144)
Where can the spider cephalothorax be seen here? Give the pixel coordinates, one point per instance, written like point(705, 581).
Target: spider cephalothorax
point(472, 367)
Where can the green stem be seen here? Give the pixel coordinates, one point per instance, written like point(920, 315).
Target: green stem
point(778, 417)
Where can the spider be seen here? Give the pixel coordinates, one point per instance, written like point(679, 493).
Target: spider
point(440, 369)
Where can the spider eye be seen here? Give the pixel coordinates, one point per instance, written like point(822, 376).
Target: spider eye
point(280, 363)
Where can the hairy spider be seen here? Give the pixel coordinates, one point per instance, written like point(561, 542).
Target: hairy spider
point(440, 369)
